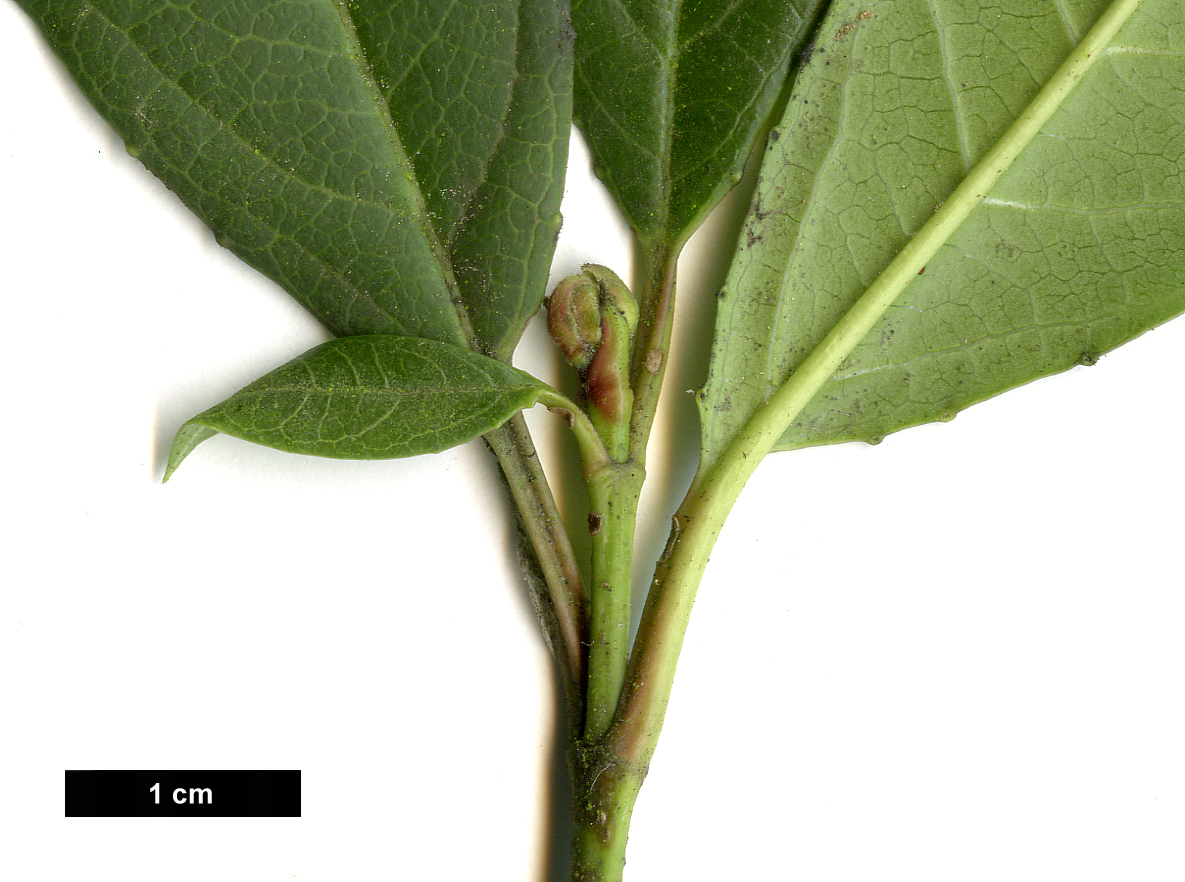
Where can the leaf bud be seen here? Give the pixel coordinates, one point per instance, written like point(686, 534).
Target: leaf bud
point(592, 316)
point(607, 379)
point(615, 295)
point(574, 319)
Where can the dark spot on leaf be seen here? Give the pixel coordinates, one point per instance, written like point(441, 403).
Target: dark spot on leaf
point(1088, 359)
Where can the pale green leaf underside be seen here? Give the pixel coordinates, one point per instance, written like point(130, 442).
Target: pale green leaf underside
point(285, 126)
point(1079, 248)
point(671, 93)
point(369, 397)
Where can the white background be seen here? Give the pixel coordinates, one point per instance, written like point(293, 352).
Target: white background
point(956, 656)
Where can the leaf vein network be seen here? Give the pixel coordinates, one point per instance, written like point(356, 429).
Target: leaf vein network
point(948, 82)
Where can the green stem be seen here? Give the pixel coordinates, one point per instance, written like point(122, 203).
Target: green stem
point(652, 340)
point(606, 790)
point(614, 490)
point(562, 606)
point(606, 786)
point(651, 669)
point(588, 439)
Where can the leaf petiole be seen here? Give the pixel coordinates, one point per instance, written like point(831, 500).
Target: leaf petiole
point(561, 599)
point(652, 343)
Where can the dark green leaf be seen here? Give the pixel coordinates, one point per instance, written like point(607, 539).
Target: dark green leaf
point(481, 95)
point(369, 397)
point(1079, 248)
point(671, 94)
point(503, 247)
point(262, 119)
point(287, 126)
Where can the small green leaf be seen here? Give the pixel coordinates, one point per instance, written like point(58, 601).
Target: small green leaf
point(369, 397)
point(671, 94)
point(1077, 249)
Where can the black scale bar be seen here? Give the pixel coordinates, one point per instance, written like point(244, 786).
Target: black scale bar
point(182, 794)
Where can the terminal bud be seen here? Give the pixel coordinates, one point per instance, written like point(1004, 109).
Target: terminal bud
point(592, 316)
point(615, 296)
point(581, 310)
point(574, 319)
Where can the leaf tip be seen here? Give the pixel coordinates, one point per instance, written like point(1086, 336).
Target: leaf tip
point(188, 437)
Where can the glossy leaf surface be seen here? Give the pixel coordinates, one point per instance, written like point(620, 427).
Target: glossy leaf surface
point(671, 93)
point(1079, 247)
point(369, 397)
point(329, 146)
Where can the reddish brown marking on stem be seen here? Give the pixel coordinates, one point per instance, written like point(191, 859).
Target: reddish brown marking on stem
point(605, 382)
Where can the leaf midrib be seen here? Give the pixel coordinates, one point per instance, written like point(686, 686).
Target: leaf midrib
point(763, 429)
point(440, 247)
point(668, 133)
point(384, 114)
point(467, 211)
point(290, 173)
point(420, 390)
point(668, 59)
point(771, 355)
point(476, 414)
